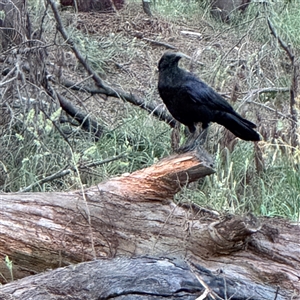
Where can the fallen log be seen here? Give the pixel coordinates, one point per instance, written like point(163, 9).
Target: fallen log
point(133, 215)
point(135, 278)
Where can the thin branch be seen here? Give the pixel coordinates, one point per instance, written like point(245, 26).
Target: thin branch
point(86, 122)
point(284, 46)
point(294, 84)
point(270, 109)
point(105, 89)
point(7, 81)
point(101, 162)
point(77, 53)
point(265, 90)
point(65, 172)
point(151, 108)
point(52, 177)
point(169, 46)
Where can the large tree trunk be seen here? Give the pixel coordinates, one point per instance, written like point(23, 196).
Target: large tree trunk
point(133, 215)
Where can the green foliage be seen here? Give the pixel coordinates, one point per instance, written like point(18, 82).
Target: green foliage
point(177, 9)
point(286, 18)
point(101, 50)
point(236, 187)
point(33, 148)
point(142, 140)
point(2, 14)
point(9, 266)
point(38, 150)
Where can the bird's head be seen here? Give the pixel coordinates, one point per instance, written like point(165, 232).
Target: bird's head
point(169, 59)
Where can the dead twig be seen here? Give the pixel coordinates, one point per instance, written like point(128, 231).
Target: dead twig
point(86, 122)
point(197, 34)
point(159, 43)
point(294, 83)
point(270, 109)
point(284, 46)
point(52, 177)
point(267, 90)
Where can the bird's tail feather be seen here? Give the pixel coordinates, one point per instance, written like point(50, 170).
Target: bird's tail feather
point(240, 127)
point(252, 125)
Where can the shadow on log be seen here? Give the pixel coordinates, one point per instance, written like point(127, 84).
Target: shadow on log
point(137, 278)
point(134, 216)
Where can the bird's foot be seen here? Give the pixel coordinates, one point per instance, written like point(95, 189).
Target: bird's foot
point(195, 140)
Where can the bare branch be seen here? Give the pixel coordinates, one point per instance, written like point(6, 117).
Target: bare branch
point(270, 109)
point(101, 162)
point(51, 177)
point(87, 123)
point(267, 90)
point(284, 46)
point(104, 88)
point(294, 84)
point(159, 43)
point(151, 108)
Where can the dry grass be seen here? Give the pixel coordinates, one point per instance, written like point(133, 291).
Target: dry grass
point(234, 64)
point(124, 48)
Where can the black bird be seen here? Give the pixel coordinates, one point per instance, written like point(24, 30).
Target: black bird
point(191, 101)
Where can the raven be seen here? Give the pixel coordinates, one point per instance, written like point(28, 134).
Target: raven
point(190, 100)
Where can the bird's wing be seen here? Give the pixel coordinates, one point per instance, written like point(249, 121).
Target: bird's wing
point(201, 93)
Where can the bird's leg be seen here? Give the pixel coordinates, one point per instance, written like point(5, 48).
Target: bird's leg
point(196, 139)
point(189, 144)
point(202, 137)
point(199, 139)
point(175, 136)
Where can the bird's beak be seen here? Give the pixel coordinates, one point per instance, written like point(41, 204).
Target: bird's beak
point(180, 54)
